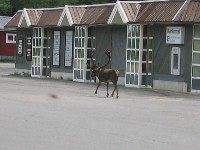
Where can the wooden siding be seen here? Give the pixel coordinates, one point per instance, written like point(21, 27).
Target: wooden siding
point(162, 56)
point(6, 49)
point(113, 39)
point(21, 62)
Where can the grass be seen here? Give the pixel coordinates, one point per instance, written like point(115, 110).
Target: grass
point(27, 74)
point(5, 60)
point(23, 74)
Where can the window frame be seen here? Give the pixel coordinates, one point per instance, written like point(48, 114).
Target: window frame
point(13, 36)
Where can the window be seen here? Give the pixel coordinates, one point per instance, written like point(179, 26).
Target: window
point(10, 38)
point(133, 55)
point(175, 61)
point(196, 58)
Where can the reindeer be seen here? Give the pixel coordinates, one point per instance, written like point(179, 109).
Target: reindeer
point(103, 74)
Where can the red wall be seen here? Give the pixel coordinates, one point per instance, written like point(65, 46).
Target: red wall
point(6, 49)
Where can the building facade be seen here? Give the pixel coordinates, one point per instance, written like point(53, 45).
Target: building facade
point(7, 40)
point(153, 44)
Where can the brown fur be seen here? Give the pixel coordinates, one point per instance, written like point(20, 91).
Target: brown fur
point(105, 75)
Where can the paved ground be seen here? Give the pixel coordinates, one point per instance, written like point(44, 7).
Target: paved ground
point(38, 114)
point(6, 68)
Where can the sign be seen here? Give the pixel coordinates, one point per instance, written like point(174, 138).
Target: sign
point(175, 35)
point(68, 50)
point(20, 47)
point(56, 48)
point(28, 48)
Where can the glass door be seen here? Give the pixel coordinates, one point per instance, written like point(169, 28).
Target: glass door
point(79, 68)
point(133, 59)
point(147, 55)
point(46, 61)
point(91, 44)
point(40, 53)
point(196, 58)
point(139, 56)
point(36, 67)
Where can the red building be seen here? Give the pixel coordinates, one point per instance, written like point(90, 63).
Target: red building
point(7, 40)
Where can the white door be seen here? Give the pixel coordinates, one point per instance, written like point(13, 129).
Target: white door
point(133, 59)
point(80, 56)
point(36, 68)
point(138, 56)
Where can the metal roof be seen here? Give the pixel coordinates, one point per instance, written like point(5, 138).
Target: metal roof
point(158, 11)
point(3, 21)
point(191, 13)
point(131, 10)
point(76, 13)
point(14, 21)
point(50, 17)
point(163, 11)
point(134, 12)
point(97, 14)
point(34, 15)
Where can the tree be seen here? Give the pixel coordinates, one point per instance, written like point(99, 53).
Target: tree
point(5, 8)
point(10, 7)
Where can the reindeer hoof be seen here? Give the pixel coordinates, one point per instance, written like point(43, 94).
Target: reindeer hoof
point(107, 95)
point(95, 92)
point(117, 96)
point(111, 95)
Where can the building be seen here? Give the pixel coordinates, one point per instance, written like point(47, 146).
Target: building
point(153, 44)
point(7, 40)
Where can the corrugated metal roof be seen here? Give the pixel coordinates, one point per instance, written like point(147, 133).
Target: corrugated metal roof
point(191, 13)
point(50, 17)
point(97, 14)
point(3, 21)
point(76, 13)
point(34, 15)
point(158, 11)
point(14, 20)
point(136, 12)
point(131, 10)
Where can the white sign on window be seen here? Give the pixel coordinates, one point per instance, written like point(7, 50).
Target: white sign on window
point(68, 50)
point(175, 35)
point(56, 48)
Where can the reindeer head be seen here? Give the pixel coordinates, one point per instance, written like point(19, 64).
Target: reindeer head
point(95, 68)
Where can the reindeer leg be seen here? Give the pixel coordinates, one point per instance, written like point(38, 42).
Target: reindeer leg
point(97, 87)
point(107, 90)
point(113, 92)
point(116, 90)
point(115, 84)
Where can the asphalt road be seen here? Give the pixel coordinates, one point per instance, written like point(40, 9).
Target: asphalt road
point(41, 114)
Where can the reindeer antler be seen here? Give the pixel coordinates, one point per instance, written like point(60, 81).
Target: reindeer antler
point(91, 55)
point(107, 52)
